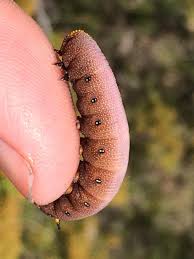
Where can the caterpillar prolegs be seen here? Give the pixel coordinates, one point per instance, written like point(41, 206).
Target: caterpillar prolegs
point(103, 124)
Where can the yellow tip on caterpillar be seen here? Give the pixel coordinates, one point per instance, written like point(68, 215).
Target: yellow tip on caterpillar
point(73, 33)
point(57, 221)
point(70, 36)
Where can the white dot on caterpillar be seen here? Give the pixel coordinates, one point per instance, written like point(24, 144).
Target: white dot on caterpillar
point(98, 181)
point(101, 151)
point(86, 204)
point(87, 79)
point(98, 122)
point(94, 100)
point(67, 213)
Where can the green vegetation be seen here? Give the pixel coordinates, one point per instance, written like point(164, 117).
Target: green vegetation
point(150, 46)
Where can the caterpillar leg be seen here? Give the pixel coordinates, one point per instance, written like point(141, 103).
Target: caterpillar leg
point(59, 52)
point(65, 77)
point(60, 64)
point(57, 221)
point(78, 123)
point(81, 150)
point(76, 178)
point(69, 190)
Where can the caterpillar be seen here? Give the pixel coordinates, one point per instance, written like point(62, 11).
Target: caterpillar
point(103, 124)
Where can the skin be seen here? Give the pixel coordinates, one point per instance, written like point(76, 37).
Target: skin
point(39, 142)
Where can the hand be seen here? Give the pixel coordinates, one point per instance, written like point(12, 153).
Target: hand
point(39, 142)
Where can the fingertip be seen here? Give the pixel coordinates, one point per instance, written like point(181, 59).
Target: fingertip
point(38, 116)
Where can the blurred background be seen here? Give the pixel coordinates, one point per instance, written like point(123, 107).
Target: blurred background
point(150, 47)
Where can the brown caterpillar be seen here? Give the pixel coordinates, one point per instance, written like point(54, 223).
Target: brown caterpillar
point(104, 126)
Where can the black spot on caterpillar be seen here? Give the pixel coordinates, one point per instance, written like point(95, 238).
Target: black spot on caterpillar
point(104, 126)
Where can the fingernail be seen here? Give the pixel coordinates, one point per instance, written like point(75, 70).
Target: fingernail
point(16, 169)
